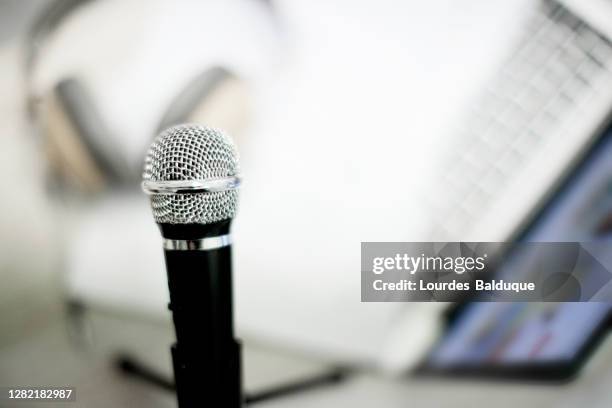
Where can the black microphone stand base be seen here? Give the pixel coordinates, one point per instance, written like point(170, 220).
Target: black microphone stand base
point(334, 376)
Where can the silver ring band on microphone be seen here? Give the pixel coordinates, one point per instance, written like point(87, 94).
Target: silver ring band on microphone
point(204, 244)
point(191, 186)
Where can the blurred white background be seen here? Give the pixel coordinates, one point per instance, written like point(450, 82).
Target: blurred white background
point(348, 104)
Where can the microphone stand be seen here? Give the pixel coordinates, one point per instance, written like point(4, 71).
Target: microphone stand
point(132, 367)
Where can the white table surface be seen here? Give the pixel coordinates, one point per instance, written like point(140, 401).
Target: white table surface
point(49, 358)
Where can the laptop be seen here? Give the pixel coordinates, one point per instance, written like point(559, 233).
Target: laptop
point(549, 101)
point(540, 340)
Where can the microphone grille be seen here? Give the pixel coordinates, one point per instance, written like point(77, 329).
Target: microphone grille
point(192, 152)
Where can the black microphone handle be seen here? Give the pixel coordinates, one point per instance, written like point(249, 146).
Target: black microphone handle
point(206, 356)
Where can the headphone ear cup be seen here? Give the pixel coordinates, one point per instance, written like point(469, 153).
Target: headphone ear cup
point(77, 139)
point(215, 97)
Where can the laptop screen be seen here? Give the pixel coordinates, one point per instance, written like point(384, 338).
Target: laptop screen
point(522, 333)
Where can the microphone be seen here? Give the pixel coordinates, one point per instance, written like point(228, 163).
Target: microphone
point(192, 175)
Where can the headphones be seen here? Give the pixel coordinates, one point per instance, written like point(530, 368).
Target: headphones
point(78, 143)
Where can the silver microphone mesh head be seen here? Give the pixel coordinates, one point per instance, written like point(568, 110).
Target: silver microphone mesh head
point(192, 153)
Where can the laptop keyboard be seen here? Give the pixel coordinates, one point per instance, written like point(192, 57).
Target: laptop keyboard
point(559, 63)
